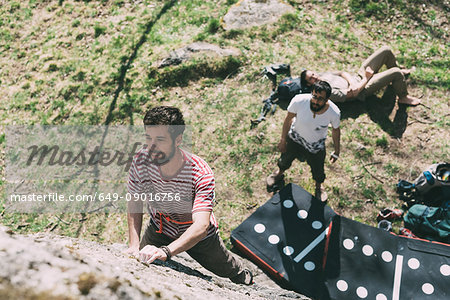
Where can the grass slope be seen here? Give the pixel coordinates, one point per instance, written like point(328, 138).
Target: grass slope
point(94, 62)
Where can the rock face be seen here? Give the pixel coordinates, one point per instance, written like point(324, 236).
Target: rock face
point(180, 55)
point(249, 13)
point(45, 266)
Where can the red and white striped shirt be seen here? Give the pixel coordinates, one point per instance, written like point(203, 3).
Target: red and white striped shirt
point(172, 201)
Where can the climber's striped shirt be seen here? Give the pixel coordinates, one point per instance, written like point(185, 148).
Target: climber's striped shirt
point(172, 201)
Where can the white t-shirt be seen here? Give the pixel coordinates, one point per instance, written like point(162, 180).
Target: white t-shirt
point(308, 131)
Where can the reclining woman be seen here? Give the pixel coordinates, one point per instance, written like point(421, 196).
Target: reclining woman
point(347, 87)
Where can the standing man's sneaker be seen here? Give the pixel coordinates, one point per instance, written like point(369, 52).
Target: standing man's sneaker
point(245, 277)
point(274, 182)
point(321, 194)
point(273, 178)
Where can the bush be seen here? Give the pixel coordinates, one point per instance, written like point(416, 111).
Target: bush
point(14, 6)
point(193, 70)
point(99, 30)
point(76, 23)
point(382, 142)
point(213, 26)
point(367, 8)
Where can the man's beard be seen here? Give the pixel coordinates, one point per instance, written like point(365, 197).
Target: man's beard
point(165, 159)
point(160, 158)
point(315, 108)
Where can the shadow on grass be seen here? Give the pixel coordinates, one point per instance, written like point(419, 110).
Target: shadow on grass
point(431, 83)
point(378, 110)
point(126, 65)
point(411, 10)
point(121, 81)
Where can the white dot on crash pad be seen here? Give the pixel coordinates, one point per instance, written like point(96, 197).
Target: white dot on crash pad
point(342, 285)
point(413, 263)
point(427, 288)
point(386, 256)
point(348, 244)
point(302, 214)
point(288, 203)
point(316, 224)
point(274, 239)
point(380, 297)
point(259, 228)
point(445, 270)
point(309, 266)
point(288, 250)
point(362, 292)
point(367, 250)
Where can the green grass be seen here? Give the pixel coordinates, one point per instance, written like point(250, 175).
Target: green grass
point(61, 63)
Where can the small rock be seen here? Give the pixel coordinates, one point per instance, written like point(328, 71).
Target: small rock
point(178, 56)
point(249, 13)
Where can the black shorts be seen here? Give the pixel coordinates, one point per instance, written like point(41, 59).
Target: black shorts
point(314, 160)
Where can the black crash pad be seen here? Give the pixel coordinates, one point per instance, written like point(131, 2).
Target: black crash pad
point(305, 246)
point(364, 262)
point(286, 238)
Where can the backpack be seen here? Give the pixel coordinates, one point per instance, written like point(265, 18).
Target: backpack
point(287, 89)
point(282, 93)
point(432, 223)
point(431, 187)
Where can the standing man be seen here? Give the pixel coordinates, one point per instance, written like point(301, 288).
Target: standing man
point(304, 133)
point(178, 189)
point(369, 79)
